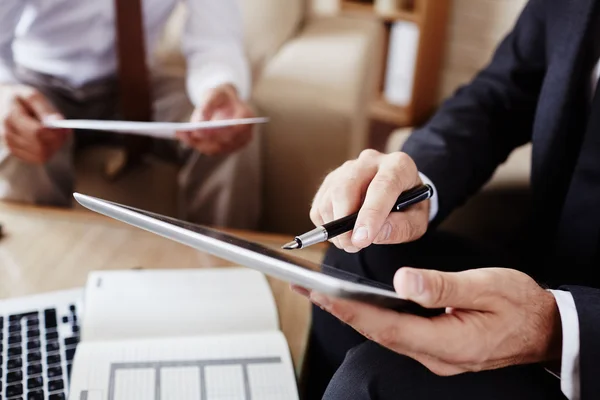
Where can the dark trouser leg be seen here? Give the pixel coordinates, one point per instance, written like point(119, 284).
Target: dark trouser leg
point(330, 339)
point(374, 372)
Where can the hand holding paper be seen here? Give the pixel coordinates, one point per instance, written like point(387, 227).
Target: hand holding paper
point(22, 110)
point(222, 103)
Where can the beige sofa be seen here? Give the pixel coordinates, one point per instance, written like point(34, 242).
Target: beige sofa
point(313, 77)
point(500, 209)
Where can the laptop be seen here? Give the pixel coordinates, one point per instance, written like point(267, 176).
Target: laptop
point(38, 338)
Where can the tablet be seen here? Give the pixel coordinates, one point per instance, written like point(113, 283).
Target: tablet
point(323, 279)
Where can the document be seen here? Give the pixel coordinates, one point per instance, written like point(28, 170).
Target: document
point(196, 334)
point(164, 130)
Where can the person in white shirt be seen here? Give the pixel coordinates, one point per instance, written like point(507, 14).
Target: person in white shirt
point(58, 59)
point(516, 326)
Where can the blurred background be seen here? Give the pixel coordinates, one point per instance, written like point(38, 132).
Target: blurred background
point(339, 76)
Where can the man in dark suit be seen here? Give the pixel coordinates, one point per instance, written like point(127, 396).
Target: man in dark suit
point(529, 330)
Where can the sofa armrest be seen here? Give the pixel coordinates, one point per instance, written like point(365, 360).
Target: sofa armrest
point(316, 91)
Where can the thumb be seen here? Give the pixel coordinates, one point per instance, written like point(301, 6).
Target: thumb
point(40, 107)
point(215, 100)
point(435, 289)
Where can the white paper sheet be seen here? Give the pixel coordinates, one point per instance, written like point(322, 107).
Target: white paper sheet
point(134, 304)
point(156, 129)
point(254, 366)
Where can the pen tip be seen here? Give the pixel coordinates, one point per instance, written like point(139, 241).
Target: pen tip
point(291, 245)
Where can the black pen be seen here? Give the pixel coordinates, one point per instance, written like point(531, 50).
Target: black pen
point(346, 224)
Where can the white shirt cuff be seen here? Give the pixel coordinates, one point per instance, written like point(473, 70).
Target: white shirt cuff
point(433, 202)
point(569, 370)
point(201, 79)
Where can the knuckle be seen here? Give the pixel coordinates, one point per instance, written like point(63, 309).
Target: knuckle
point(404, 231)
point(344, 314)
point(441, 289)
point(387, 337)
point(369, 154)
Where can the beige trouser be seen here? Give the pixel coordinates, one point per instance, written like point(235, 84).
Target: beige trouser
point(219, 191)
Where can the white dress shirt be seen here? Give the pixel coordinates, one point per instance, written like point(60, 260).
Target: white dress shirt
point(569, 371)
point(75, 40)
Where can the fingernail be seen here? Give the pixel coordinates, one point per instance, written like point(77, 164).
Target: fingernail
point(319, 300)
point(415, 282)
point(53, 117)
point(352, 249)
point(301, 291)
point(360, 234)
point(385, 232)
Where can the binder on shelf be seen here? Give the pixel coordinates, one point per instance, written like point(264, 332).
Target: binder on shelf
point(401, 62)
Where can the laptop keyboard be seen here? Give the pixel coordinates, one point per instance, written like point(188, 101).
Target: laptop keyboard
point(36, 353)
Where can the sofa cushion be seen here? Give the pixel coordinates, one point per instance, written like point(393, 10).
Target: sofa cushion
point(267, 25)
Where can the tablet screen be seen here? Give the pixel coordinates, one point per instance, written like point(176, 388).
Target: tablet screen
point(257, 248)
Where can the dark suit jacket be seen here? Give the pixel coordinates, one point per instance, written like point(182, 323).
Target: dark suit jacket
point(536, 89)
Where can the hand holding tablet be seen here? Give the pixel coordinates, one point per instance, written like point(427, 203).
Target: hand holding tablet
point(326, 280)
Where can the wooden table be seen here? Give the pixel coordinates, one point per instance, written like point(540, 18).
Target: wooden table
point(45, 249)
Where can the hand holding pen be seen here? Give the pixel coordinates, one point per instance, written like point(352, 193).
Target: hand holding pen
point(380, 179)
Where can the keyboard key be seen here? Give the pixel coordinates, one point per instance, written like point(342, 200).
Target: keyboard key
point(75, 328)
point(1, 347)
point(33, 333)
point(50, 316)
point(1, 322)
point(14, 390)
point(70, 353)
point(35, 369)
point(52, 346)
point(54, 359)
point(55, 385)
point(54, 372)
point(51, 335)
point(33, 345)
point(71, 340)
point(14, 328)
point(15, 376)
point(37, 395)
point(72, 308)
point(31, 322)
point(14, 363)
point(14, 339)
point(69, 366)
point(65, 319)
point(14, 318)
point(15, 351)
point(56, 396)
point(34, 383)
point(33, 357)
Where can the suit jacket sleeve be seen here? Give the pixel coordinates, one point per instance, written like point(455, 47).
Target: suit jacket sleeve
point(476, 129)
point(587, 302)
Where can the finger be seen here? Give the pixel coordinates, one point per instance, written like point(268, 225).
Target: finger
point(21, 148)
point(23, 123)
point(347, 194)
point(184, 137)
point(471, 290)
point(403, 333)
point(39, 106)
point(404, 226)
point(315, 213)
point(216, 100)
point(396, 174)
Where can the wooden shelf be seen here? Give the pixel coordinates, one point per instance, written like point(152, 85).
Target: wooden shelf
point(383, 111)
point(368, 10)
